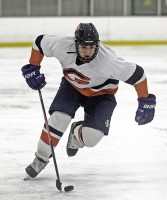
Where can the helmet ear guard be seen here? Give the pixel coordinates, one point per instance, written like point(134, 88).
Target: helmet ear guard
point(86, 34)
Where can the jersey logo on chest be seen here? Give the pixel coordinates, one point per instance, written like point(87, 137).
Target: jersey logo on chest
point(73, 75)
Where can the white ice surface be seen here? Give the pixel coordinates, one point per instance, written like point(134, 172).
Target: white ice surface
point(129, 164)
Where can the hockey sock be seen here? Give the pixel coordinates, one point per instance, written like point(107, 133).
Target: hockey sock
point(58, 123)
point(78, 134)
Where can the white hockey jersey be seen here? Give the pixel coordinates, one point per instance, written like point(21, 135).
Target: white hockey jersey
point(100, 76)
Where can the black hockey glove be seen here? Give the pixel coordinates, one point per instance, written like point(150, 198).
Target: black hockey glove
point(34, 78)
point(146, 109)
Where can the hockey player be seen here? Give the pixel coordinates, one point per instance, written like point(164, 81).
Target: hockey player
point(92, 72)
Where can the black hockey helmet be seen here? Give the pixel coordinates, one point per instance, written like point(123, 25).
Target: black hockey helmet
point(86, 34)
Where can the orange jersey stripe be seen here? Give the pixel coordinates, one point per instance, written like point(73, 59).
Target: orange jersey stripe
point(88, 92)
point(142, 89)
point(44, 138)
point(36, 57)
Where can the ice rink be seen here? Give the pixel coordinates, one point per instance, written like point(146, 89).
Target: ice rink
point(129, 164)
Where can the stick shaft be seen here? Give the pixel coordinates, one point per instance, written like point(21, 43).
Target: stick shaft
point(49, 135)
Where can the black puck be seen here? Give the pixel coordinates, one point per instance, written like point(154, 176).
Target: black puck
point(68, 188)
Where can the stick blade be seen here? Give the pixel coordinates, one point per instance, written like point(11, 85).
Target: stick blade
point(59, 185)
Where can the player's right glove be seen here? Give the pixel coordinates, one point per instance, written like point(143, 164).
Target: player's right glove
point(33, 77)
point(146, 109)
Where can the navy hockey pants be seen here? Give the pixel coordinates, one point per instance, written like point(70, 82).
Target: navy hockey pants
point(98, 109)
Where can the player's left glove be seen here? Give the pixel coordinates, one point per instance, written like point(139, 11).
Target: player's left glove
point(146, 109)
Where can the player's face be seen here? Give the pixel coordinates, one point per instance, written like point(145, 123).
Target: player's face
point(86, 51)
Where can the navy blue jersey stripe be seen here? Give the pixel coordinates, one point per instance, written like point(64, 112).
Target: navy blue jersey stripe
point(55, 131)
point(107, 82)
point(137, 75)
point(38, 43)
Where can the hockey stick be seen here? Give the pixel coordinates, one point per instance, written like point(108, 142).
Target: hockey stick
point(58, 182)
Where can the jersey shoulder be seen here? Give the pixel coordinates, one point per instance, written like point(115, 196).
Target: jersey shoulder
point(57, 45)
point(106, 50)
point(58, 40)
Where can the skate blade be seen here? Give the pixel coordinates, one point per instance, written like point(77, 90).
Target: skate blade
point(27, 177)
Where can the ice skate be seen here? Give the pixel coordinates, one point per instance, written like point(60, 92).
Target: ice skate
point(35, 168)
point(72, 144)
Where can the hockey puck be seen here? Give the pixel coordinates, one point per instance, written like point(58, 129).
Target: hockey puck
point(68, 188)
